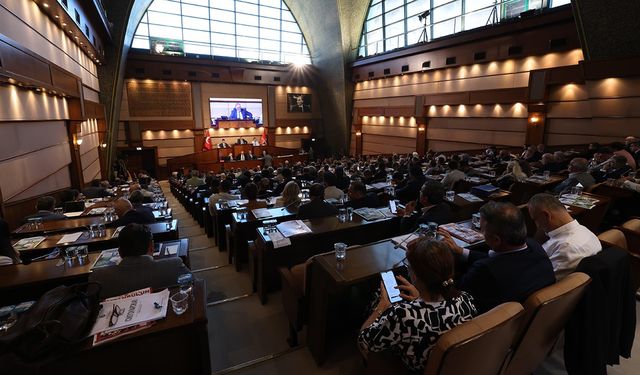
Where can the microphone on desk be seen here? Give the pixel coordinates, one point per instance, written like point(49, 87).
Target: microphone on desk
point(421, 228)
point(289, 205)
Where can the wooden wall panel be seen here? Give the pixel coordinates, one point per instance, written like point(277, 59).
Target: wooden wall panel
point(384, 102)
point(497, 111)
point(397, 131)
point(445, 146)
point(153, 99)
point(499, 125)
point(23, 22)
point(477, 136)
point(168, 143)
point(17, 104)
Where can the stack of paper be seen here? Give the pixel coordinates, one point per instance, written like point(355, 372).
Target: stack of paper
point(28, 243)
point(68, 238)
point(369, 214)
point(261, 213)
point(292, 228)
point(470, 197)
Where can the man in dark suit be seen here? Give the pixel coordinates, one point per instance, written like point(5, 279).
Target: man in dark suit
point(317, 207)
point(239, 113)
point(287, 176)
point(223, 144)
point(411, 190)
point(97, 190)
point(138, 269)
point(241, 141)
point(127, 215)
point(514, 268)
point(45, 206)
point(136, 198)
point(434, 208)
point(358, 197)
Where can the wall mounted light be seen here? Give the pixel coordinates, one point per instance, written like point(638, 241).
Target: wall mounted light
point(358, 134)
point(534, 119)
point(78, 141)
point(420, 129)
point(104, 145)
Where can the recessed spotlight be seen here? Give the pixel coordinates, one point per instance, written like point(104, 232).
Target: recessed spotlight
point(56, 16)
point(45, 5)
point(76, 38)
point(64, 24)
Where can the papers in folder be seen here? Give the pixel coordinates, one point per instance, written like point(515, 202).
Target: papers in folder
point(68, 238)
point(292, 228)
point(261, 213)
point(73, 214)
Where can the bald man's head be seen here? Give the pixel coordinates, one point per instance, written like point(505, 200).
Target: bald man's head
point(122, 206)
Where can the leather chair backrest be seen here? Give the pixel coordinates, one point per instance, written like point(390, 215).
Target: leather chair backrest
point(632, 225)
point(478, 346)
point(546, 313)
point(613, 237)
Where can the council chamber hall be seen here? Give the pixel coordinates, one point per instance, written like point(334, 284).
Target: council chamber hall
point(319, 187)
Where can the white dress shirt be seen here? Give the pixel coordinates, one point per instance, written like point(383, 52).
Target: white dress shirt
point(567, 245)
point(452, 177)
point(332, 192)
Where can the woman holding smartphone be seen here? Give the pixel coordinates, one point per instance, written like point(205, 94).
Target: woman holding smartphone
point(430, 306)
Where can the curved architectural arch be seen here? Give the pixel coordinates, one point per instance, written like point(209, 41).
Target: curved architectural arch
point(392, 24)
point(259, 30)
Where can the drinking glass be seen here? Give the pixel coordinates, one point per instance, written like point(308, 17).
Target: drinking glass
point(179, 302)
point(475, 219)
point(451, 195)
point(38, 222)
point(342, 215)
point(349, 216)
point(185, 281)
point(433, 230)
point(546, 175)
point(82, 252)
point(69, 253)
point(101, 230)
point(58, 210)
point(341, 251)
point(93, 231)
point(576, 190)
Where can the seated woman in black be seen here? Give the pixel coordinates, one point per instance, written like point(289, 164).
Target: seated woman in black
point(430, 307)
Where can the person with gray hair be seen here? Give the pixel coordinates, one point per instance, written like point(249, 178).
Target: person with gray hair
point(513, 269)
point(578, 174)
point(569, 241)
point(45, 206)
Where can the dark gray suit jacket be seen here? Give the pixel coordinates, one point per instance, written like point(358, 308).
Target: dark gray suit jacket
point(138, 272)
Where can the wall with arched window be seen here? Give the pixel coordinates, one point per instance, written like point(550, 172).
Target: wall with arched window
point(258, 30)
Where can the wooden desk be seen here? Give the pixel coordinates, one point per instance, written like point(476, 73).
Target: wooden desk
point(177, 344)
point(20, 282)
point(235, 124)
point(159, 230)
point(591, 218)
point(522, 191)
point(245, 230)
point(463, 209)
point(325, 232)
point(330, 278)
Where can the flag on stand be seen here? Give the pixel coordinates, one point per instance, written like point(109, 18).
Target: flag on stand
point(263, 139)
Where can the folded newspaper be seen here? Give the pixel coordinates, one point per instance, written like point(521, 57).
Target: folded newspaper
point(369, 214)
point(131, 310)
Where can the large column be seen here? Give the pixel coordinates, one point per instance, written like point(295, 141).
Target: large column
point(332, 31)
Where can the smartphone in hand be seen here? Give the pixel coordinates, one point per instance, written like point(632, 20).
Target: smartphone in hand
point(392, 207)
point(389, 280)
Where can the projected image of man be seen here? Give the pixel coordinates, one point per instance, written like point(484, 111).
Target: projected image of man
point(239, 113)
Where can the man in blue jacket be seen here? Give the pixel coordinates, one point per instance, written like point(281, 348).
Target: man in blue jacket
point(239, 113)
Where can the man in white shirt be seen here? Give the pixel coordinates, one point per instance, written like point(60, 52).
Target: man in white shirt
point(330, 190)
point(569, 242)
point(222, 195)
point(453, 176)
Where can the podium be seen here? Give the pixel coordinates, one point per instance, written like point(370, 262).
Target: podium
point(235, 124)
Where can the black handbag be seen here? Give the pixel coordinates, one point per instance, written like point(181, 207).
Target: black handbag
point(53, 326)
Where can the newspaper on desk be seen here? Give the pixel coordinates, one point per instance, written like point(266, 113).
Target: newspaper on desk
point(261, 213)
point(28, 243)
point(278, 240)
point(578, 201)
point(136, 308)
point(470, 197)
point(293, 227)
point(106, 336)
point(402, 241)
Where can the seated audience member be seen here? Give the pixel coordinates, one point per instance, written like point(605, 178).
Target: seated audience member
point(531, 154)
point(578, 174)
point(127, 215)
point(359, 198)
point(504, 156)
point(511, 175)
point(541, 147)
point(251, 194)
point(330, 190)
point(515, 266)
point(618, 169)
point(454, 175)
point(286, 177)
point(430, 307)
point(560, 160)
point(195, 180)
point(619, 150)
point(568, 241)
point(146, 194)
point(411, 190)
point(342, 180)
point(7, 254)
point(69, 195)
point(222, 195)
point(434, 208)
point(592, 149)
point(138, 269)
point(45, 206)
point(137, 198)
point(633, 183)
point(548, 163)
point(290, 196)
point(316, 207)
point(98, 189)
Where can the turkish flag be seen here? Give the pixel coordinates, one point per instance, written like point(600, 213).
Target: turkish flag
point(263, 139)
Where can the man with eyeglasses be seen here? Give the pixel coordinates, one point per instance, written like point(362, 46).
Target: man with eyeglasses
point(138, 269)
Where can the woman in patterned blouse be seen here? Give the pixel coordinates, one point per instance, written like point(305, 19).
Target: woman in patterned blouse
point(430, 307)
